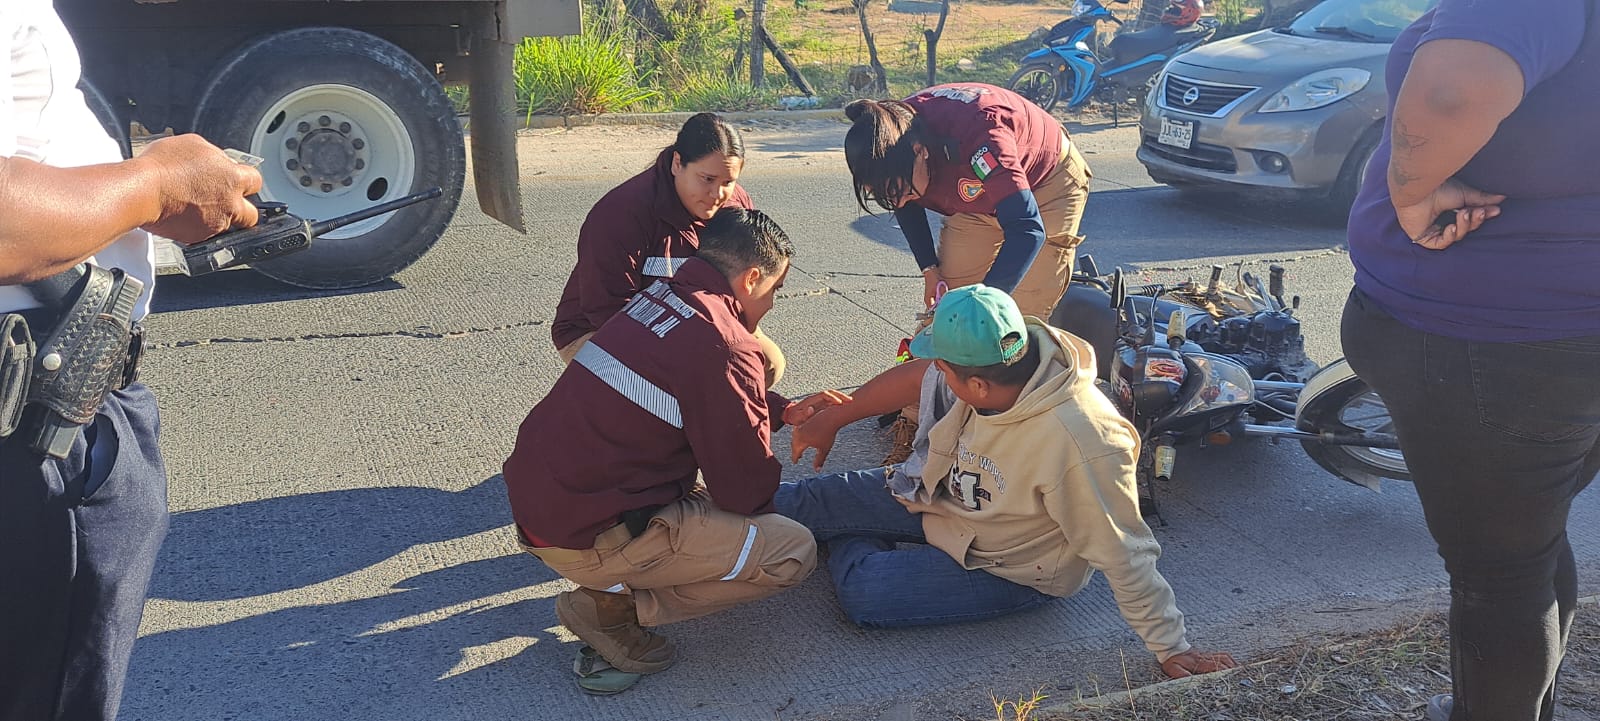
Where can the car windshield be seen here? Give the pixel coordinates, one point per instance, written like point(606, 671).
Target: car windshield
point(1370, 21)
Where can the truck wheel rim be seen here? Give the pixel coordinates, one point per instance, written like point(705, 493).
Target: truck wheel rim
point(333, 149)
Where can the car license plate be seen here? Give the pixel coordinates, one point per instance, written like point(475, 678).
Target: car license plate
point(1177, 133)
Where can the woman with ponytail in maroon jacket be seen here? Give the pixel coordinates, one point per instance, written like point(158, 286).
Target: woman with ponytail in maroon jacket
point(646, 227)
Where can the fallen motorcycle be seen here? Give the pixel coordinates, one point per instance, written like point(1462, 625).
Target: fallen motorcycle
point(1204, 365)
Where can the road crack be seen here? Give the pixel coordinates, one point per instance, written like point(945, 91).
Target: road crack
point(1329, 253)
point(417, 333)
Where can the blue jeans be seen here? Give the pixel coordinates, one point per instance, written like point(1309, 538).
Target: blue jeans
point(879, 585)
point(78, 541)
point(1499, 437)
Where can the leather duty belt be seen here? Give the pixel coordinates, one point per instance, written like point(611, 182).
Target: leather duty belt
point(56, 370)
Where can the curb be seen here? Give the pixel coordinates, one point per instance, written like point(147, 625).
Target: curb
point(1119, 698)
point(549, 122)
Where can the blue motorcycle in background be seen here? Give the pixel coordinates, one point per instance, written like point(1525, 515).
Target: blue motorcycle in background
point(1068, 69)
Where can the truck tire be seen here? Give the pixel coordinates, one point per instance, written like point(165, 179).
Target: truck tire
point(344, 120)
point(116, 123)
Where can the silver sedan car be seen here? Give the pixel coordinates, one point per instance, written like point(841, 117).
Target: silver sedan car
point(1296, 108)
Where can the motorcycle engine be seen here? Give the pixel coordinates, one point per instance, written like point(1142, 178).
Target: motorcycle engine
point(1267, 342)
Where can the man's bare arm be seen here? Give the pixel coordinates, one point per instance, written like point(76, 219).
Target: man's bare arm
point(52, 218)
point(1456, 92)
point(890, 390)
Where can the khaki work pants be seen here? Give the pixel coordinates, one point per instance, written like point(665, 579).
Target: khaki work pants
point(969, 242)
point(692, 560)
point(776, 362)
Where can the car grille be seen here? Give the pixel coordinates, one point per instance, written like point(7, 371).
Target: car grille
point(1206, 98)
point(1199, 155)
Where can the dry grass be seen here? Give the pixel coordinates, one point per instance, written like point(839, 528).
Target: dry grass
point(1388, 675)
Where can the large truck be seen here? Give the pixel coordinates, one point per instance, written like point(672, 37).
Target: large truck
point(344, 100)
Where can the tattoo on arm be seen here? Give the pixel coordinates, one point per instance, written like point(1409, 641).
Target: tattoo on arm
point(1399, 174)
point(1406, 141)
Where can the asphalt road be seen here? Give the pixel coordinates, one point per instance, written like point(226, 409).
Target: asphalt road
point(340, 546)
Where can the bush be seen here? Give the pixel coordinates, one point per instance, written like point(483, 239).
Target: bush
point(585, 74)
point(719, 94)
point(1235, 16)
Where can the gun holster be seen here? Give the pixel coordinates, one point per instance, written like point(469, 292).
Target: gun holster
point(16, 361)
point(84, 344)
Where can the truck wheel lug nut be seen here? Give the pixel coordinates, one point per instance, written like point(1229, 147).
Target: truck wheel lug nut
point(347, 182)
point(304, 127)
point(305, 181)
point(360, 163)
point(291, 144)
point(344, 127)
point(324, 121)
point(292, 164)
point(327, 187)
point(358, 143)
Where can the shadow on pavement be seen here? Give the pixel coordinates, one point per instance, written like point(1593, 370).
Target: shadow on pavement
point(279, 544)
point(416, 635)
point(240, 287)
point(378, 654)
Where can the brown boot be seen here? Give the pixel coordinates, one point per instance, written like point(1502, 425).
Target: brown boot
point(610, 625)
point(905, 434)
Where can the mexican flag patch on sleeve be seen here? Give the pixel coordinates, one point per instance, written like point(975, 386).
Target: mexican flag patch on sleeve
point(983, 163)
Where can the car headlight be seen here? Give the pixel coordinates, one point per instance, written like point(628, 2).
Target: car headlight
point(1320, 88)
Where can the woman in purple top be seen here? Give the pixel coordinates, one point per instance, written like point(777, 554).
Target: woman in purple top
point(1482, 333)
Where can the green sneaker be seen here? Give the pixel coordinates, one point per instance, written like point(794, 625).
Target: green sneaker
point(597, 677)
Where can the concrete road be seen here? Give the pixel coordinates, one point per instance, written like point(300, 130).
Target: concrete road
point(340, 545)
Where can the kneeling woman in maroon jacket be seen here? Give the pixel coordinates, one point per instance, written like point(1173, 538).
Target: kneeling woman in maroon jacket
point(646, 227)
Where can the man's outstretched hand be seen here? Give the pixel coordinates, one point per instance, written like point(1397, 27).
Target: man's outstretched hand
point(818, 432)
point(801, 411)
point(1194, 662)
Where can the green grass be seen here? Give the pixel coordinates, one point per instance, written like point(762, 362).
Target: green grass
point(581, 74)
point(723, 95)
point(613, 70)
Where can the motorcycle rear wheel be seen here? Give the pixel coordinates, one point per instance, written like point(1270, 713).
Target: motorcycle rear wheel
point(1039, 82)
point(1335, 399)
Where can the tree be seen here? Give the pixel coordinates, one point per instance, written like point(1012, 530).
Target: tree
point(758, 29)
point(648, 17)
point(932, 36)
point(872, 46)
point(650, 31)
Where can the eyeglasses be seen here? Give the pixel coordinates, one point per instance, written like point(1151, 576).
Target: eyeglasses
point(896, 192)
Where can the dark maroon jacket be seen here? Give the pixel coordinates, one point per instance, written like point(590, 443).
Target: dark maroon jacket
point(672, 385)
point(639, 230)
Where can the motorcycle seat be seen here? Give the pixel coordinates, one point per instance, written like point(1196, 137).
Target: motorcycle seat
point(1128, 47)
point(1063, 31)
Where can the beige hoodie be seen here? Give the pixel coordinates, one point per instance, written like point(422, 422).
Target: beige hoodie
point(1045, 493)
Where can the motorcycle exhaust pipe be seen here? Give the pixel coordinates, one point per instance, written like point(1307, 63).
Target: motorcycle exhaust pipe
point(1364, 440)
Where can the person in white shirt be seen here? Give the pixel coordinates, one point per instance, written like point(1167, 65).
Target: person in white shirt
point(79, 534)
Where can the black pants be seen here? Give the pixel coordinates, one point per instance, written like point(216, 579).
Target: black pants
point(78, 541)
point(1499, 437)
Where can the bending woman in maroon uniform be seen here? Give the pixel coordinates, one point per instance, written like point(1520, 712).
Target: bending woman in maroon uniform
point(647, 226)
point(1002, 172)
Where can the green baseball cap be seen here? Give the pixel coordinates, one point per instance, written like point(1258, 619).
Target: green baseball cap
point(970, 328)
